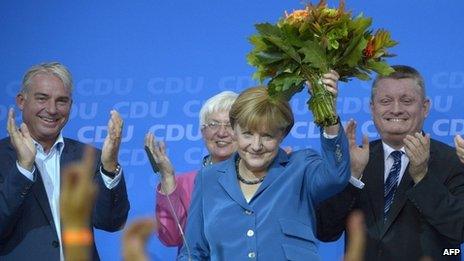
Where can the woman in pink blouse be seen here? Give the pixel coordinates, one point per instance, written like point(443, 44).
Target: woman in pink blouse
point(220, 142)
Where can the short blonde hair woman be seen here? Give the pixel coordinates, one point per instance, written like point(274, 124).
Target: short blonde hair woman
point(260, 202)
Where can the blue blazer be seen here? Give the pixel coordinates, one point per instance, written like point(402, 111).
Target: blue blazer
point(279, 221)
point(27, 229)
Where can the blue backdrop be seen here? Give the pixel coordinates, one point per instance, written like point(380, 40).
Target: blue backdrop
point(157, 61)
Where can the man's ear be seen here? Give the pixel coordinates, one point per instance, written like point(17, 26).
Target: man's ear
point(20, 100)
point(426, 104)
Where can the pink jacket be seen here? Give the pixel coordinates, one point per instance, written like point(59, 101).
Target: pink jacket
point(168, 232)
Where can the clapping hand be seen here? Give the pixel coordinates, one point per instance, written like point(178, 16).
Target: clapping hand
point(359, 155)
point(459, 143)
point(22, 142)
point(158, 151)
point(109, 156)
point(417, 149)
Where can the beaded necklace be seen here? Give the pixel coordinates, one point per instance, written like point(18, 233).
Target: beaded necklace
point(242, 179)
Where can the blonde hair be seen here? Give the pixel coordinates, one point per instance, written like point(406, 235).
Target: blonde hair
point(254, 109)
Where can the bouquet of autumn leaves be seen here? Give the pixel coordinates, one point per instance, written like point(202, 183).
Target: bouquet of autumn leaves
point(308, 43)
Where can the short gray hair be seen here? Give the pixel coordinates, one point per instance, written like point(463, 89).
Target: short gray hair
point(54, 68)
point(402, 72)
point(219, 102)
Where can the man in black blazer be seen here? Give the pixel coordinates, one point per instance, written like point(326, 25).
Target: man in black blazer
point(412, 199)
point(32, 159)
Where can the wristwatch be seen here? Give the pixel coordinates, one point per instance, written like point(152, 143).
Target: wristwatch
point(111, 174)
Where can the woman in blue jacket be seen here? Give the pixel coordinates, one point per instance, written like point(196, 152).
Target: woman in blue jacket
point(259, 204)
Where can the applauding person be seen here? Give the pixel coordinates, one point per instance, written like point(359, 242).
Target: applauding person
point(32, 159)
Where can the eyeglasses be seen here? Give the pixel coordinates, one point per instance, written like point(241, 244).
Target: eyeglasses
point(215, 126)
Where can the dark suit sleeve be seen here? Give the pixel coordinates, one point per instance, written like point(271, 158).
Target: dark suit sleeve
point(112, 205)
point(14, 188)
point(332, 213)
point(439, 197)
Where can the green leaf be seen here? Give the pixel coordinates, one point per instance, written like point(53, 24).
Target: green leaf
point(268, 58)
point(380, 67)
point(286, 47)
point(360, 24)
point(258, 42)
point(292, 35)
point(314, 54)
point(354, 56)
point(267, 29)
point(274, 35)
point(286, 85)
point(362, 76)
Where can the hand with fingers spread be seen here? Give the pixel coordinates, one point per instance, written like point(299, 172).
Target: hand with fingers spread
point(158, 151)
point(359, 155)
point(135, 238)
point(110, 150)
point(77, 199)
point(459, 144)
point(22, 142)
point(417, 149)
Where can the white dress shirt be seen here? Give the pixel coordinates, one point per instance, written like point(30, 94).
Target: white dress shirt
point(388, 160)
point(49, 168)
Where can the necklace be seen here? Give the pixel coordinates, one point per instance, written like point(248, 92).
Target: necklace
point(242, 179)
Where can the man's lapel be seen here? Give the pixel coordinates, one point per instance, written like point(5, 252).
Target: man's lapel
point(374, 181)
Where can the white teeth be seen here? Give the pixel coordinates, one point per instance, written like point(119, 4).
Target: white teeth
point(47, 119)
point(222, 143)
point(396, 120)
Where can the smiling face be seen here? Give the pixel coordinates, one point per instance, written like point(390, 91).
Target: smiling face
point(45, 107)
point(218, 136)
point(398, 108)
point(257, 149)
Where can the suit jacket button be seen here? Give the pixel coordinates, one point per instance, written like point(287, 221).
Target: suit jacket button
point(55, 244)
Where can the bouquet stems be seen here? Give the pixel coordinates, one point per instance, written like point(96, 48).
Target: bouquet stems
point(322, 104)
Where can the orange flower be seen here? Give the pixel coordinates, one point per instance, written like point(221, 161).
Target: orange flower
point(296, 16)
point(369, 51)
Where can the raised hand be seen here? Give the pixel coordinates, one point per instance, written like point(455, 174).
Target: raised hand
point(417, 149)
point(158, 151)
point(135, 238)
point(359, 155)
point(109, 156)
point(330, 81)
point(459, 143)
point(78, 191)
point(22, 142)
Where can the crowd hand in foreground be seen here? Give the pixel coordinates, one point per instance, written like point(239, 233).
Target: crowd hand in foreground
point(77, 200)
point(135, 238)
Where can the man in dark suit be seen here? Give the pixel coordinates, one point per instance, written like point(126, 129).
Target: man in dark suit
point(413, 194)
point(32, 159)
